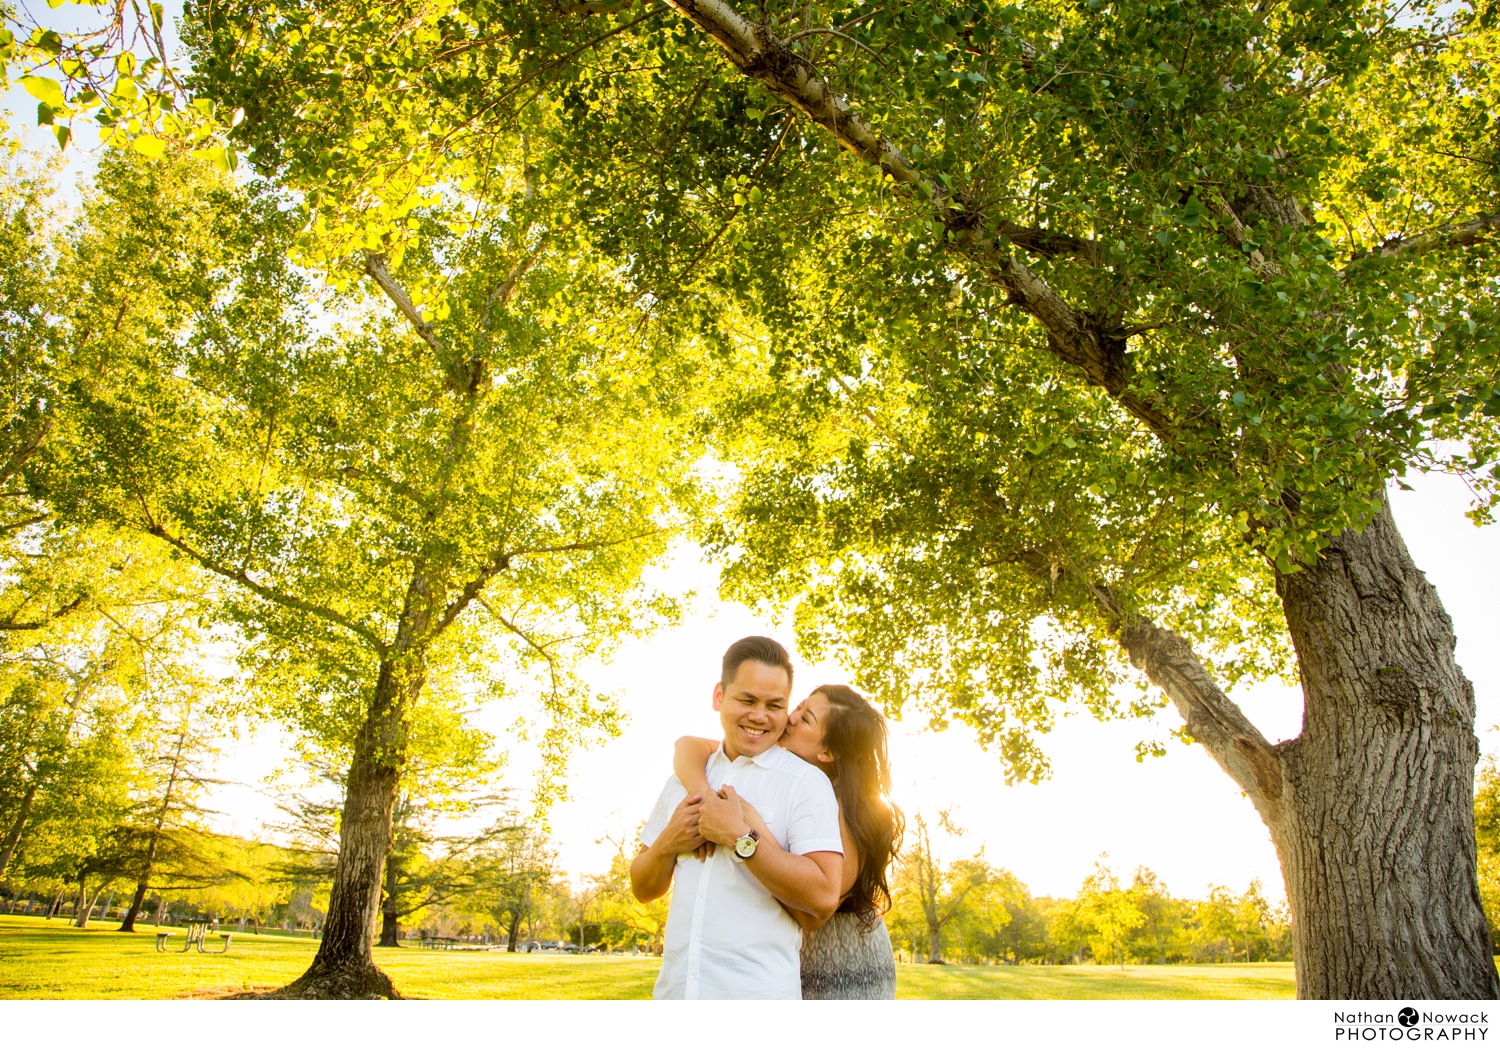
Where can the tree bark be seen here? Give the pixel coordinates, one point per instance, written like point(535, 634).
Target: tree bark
point(344, 967)
point(1371, 806)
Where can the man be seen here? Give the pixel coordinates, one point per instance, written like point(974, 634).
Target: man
point(728, 936)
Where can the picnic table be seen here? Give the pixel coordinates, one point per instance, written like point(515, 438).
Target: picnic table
point(197, 934)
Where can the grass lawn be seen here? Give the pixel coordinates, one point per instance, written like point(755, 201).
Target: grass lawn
point(42, 960)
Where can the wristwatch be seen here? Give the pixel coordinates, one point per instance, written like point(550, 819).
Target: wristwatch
point(744, 846)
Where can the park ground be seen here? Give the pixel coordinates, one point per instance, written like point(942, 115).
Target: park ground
point(42, 960)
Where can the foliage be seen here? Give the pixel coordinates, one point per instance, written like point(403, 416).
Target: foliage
point(1108, 912)
point(1487, 835)
point(624, 921)
point(514, 872)
point(927, 897)
point(1107, 923)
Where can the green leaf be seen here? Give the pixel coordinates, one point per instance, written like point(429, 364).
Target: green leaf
point(45, 90)
point(63, 133)
point(218, 156)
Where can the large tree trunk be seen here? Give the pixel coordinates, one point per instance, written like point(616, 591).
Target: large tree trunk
point(1377, 843)
point(344, 967)
point(1371, 807)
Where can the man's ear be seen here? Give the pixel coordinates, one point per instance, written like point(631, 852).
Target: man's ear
point(718, 694)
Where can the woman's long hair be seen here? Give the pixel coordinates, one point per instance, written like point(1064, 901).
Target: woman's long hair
point(854, 733)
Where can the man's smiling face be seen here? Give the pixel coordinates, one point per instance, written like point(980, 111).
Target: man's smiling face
point(752, 708)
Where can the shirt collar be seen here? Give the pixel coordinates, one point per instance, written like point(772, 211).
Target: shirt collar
point(765, 759)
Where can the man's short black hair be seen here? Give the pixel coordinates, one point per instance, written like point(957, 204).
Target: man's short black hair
point(766, 651)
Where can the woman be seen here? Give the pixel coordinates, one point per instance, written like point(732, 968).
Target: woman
point(838, 731)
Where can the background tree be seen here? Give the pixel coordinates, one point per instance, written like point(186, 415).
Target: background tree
point(928, 895)
point(1108, 912)
point(161, 841)
point(1487, 831)
point(462, 516)
point(628, 922)
point(1159, 937)
point(513, 868)
point(998, 900)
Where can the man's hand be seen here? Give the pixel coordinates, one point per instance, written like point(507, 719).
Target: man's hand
point(651, 870)
point(682, 833)
point(721, 817)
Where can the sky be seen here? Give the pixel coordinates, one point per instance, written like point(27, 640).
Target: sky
point(1178, 815)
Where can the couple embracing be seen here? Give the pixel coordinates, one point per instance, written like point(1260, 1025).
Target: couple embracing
point(778, 840)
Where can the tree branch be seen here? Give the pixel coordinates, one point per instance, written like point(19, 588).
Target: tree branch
point(501, 561)
point(1211, 717)
point(287, 601)
point(12, 624)
point(24, 451)
point(23, 523)
point(1088, 343)
point(375, 267)
point(1454, 235)
point(541, 649)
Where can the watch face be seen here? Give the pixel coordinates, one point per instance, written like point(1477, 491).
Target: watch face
point(744, 846)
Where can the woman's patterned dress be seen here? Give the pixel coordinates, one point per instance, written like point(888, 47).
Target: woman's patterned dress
point(840, 962)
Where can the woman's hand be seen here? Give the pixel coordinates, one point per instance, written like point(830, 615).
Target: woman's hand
point(721, 818)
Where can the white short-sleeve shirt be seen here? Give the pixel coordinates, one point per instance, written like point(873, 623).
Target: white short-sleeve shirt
point(726, 936)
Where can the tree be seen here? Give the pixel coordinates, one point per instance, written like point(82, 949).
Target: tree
point(1208, 295)
point(1215, 919)
point(618, 910)
point(1159, 936)
point(1109, 912)
point(999, 918)
point(934, 895)
point(421, 495)
point(161, 842)
point(513, 869)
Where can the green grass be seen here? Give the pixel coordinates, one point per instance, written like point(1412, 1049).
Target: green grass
point(42, 960)
point(1229, 981)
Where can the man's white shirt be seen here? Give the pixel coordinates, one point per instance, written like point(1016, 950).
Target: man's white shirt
point(726, 936)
